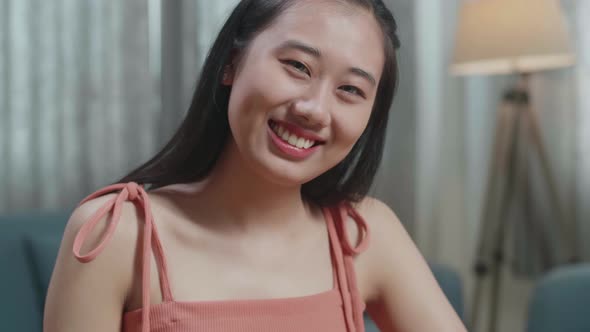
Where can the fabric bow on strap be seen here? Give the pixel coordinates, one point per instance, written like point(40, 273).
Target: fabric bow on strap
point(127, 192)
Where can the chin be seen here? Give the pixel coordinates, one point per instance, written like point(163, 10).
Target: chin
point(288, 178)
point(287, 173)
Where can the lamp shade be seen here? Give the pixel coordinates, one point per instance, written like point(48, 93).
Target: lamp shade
point(507, 36)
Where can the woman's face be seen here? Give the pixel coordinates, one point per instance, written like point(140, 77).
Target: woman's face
point(303, 91)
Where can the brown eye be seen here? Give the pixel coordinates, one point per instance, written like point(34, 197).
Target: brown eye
point(353, 90)
point(298, 66)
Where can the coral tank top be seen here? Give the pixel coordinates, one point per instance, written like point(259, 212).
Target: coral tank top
point(336, 310)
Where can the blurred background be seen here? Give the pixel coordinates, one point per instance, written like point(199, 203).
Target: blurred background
point(89, 89)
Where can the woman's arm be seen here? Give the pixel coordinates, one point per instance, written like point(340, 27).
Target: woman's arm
point(407, 296)
point(91, 296)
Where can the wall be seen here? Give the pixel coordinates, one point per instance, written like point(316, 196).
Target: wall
point(395, 182)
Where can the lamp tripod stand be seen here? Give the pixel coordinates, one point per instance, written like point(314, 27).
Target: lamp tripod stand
point(517, 132)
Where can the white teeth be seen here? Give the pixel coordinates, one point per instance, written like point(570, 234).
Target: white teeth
point(292, 139)
point(285, 136)
point(300, 142)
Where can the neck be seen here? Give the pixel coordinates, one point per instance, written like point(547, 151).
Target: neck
point(234, 194)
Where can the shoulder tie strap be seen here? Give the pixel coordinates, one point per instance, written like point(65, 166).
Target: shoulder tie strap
point(134, 193)
point(345, 252)
point(363, 230)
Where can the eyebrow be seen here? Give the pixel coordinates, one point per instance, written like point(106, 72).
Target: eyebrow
point(294, 44)
point(301, 47)
point(364, 74)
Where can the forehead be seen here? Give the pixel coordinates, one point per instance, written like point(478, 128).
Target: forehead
point(341, 31)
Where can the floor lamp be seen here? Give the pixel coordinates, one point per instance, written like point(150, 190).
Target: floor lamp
point(511, 37)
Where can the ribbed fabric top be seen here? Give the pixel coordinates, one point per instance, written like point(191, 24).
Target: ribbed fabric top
point(339, 309)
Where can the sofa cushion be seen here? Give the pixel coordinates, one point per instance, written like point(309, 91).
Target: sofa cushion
point(451, 284)
point(561, 300)
point(21, 308)
point(44, 248)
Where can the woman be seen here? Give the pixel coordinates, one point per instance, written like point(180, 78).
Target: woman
point(249, 222)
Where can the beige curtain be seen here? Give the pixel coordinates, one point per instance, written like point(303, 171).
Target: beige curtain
point(89, 89)
point(79, 104)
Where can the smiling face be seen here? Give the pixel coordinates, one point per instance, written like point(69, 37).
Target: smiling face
point(303, 91)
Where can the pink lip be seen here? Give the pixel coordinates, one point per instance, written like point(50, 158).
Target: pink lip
point(298, 131)
point(288, 149)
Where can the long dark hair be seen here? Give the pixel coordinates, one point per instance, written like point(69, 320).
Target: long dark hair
point(194, 149)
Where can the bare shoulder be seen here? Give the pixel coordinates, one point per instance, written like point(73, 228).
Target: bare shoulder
point(106, 279)
point(385, 227)
point(377, 213)
point(404, 294)
point(118, 258)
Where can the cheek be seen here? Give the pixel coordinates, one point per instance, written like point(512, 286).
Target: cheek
point(351, 127)
point(248, 96)
point(261, 84)
point(260, 88)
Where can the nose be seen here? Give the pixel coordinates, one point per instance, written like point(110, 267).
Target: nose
point(313, 108)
